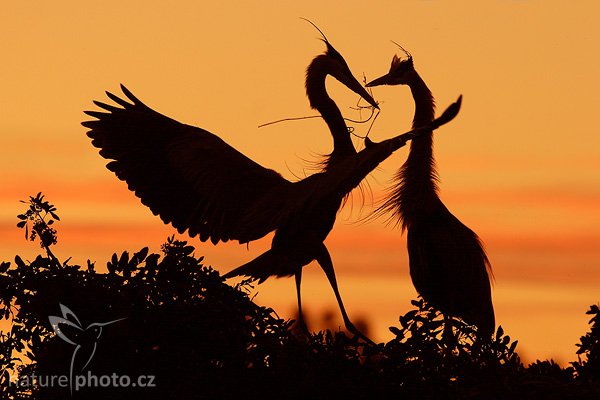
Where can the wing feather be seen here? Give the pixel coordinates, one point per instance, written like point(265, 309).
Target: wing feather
point(189, 177)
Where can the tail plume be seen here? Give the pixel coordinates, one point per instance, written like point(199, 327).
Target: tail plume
point(267, 264)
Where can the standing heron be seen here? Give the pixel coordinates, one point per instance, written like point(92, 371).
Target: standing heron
point(448, 264)
point(313, 230)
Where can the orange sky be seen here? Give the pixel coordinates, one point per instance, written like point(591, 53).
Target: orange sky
point(520, 165)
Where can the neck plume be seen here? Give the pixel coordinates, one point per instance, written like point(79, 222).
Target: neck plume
point(319, 100)
point(415, 184)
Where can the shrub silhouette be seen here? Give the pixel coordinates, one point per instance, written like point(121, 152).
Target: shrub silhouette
point(589, 367)
point(201, 338)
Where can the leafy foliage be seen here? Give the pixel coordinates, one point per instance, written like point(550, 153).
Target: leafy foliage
point(201, 338)
point(41, 216)
point(589, 367)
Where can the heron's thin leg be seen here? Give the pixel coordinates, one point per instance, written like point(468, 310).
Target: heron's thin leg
point(448, 333)
point(447, 326)
point(301, 322)
point(324, 260)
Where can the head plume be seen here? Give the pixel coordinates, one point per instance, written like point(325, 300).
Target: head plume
point(331, 51)
point(317, 28)
point(399, 62)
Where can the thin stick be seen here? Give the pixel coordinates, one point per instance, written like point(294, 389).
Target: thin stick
point(370, 126)
point(316, 116)
point(289, 119)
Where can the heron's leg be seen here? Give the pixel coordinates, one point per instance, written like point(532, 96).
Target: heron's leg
point(301, 322)
point(324, 260)
point(447, 325)
point(448, 333)
point(449, 336)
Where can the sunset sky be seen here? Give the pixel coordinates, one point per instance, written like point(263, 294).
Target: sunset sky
point(520, 165)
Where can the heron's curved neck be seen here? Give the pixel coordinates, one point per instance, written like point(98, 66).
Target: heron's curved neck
point(319, 100)
point(424, 102)
point(418, 173)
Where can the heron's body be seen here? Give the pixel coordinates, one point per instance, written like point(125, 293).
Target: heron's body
point(299, 240)
point(448, 264)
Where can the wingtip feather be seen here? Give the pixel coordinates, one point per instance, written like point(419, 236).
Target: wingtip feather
point(89, 124)
point(130, 95)
point(117, 99)
point(105, 106)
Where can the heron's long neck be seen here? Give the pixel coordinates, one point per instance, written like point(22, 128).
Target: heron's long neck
point(320, 100)
point(417, 190)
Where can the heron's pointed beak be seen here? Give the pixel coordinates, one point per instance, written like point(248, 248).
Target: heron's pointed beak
point(357, 88)
point(365, 95)
point(382, 80)
point(347, 79)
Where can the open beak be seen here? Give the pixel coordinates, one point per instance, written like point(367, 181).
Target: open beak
point(382, 80)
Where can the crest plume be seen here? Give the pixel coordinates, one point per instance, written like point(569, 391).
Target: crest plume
point(317, 28)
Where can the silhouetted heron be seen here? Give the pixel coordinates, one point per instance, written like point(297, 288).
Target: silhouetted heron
point(448, 264)
point(195, 181)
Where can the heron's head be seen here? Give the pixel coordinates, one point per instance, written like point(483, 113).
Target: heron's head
point(401, 71)
point(338, 68)
point(332, 63)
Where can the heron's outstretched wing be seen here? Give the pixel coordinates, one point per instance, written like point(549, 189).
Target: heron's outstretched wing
point(189, 177)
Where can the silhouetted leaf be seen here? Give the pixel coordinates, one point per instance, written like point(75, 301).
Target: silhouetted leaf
point(19, 261)
point(499, 332)
point(123, 260)
point(4, 266)
point(395, 331)
point(142, 254)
